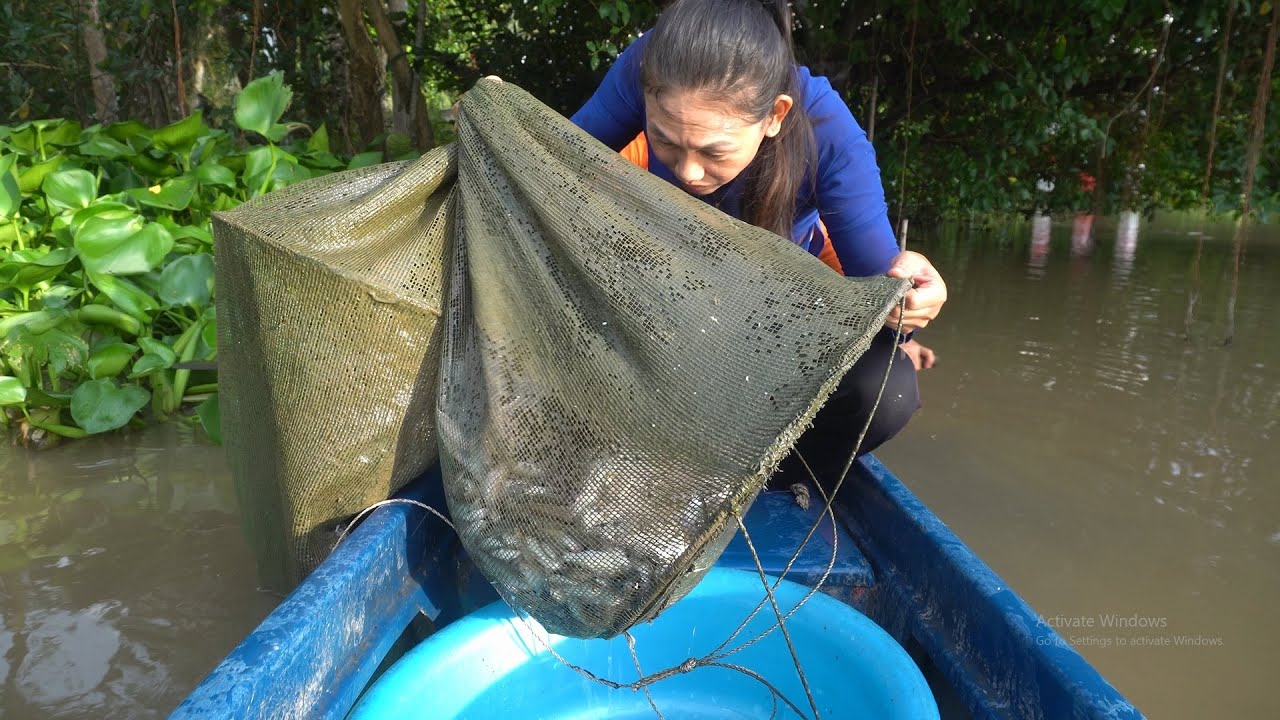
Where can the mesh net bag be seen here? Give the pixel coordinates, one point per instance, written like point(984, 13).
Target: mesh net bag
point(329, 300)
point(623, 367)
point(620, 366)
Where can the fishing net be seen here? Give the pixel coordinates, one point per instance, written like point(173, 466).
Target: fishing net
point(609, 368)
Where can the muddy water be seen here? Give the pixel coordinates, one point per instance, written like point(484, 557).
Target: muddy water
point(123, 575)
point(1087, 432)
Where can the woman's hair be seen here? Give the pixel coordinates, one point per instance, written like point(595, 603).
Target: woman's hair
point(740, 50)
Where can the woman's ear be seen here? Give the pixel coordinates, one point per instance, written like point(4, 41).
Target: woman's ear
point(781, 106)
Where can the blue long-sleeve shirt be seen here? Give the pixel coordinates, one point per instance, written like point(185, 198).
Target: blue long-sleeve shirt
point(849, 196)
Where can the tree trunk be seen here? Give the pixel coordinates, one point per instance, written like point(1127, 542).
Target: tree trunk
point(1135, 168)
point(177, 62)
point(104, 85)
point(253, 39)
point(1257, 124)
point(1217, 99)
point(364, 76)
point(1193, 296)
point(420, 29)
point(409, 109)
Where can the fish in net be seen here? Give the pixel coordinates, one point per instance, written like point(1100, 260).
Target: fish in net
point(607, 368)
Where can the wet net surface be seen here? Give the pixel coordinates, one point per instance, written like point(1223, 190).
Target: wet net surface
point(608, 369)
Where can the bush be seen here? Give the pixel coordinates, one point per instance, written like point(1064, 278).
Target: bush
point(106, 265)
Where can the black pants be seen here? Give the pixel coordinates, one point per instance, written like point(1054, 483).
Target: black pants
point(827, 444)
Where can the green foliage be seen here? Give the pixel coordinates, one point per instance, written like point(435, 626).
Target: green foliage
point(98, 405)
point(106, 271)
point(261, 105)
point(1001, 102)
point(979, 109)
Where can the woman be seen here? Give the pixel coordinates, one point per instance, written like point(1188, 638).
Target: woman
point(714, 92)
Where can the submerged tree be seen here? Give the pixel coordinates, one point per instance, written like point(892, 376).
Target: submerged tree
point(1257, 127)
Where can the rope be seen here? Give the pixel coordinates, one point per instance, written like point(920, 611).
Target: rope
point(827, 511)
point(631, 645)
point(391, 501)
point(715, 657)
point(773, 602)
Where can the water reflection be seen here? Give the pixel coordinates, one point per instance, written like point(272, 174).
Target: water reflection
point(1082, 235)
point(1092, 438)
point(123, 574)
point(1041, 229)
point(1126, 247)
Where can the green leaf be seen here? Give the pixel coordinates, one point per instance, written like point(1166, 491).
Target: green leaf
point(128, 297)
point(151, 167)
point(109, 360)
point(262, 102)
point(29, 268)
point(23, 138)
point(58, 296)
point(70, 189)
point(66, 132)
point(156, 356)
point(51, 348)
point(106, 147)
point(128, 130)
point(323, 161)
point(36, 321)
point(147, 364)
point(364, 159)
point(194, 232)
point(209, 333)
point(114, 245)
point(13, 392)
point(59, 350)
point(319, 140)
point(182, 135)
point(217, 175)
point(157, 347)
point(29, 180)
point(187, 281)
point(99, 406)
point(108, 208)
point(175, 194)
point(397, 144)
point(211, 418)
point(41, 398)
point(10, 192)
point(258, 164)
point(280, 131)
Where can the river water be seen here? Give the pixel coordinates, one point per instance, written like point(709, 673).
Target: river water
point(1111, 459)
point(1089, 437)
point(123, 574)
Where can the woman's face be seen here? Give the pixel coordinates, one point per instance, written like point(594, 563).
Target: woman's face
point(704, 140)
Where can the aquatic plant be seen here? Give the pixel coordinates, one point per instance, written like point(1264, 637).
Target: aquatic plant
point(106, 258)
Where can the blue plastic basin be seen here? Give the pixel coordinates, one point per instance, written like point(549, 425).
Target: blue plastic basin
point(491, 666)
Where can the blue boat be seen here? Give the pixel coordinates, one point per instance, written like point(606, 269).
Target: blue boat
point(401, 573)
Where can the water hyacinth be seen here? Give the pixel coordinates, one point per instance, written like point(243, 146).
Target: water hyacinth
point(106, 271)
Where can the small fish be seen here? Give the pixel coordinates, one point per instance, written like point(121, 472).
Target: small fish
point(801, 491)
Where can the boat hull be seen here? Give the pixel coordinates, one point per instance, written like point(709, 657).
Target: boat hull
point(986, 653)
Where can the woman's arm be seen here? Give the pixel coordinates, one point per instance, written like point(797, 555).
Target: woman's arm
point(849, 192)
point(615, 113)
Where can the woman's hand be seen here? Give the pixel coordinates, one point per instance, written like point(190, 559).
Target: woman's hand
point(927, 294)
point(921, 356)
